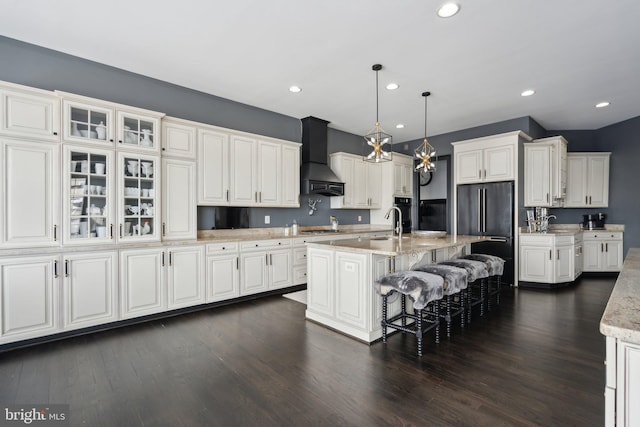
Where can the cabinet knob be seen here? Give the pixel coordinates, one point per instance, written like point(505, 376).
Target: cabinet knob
point(55, 133)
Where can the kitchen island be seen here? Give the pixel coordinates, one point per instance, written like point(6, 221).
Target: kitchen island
point(341, 274)
point(620, 324)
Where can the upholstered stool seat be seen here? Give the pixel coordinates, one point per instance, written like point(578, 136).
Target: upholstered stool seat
point(425, 290)
point(495, 265)
point(455, 281)
point(477, 273)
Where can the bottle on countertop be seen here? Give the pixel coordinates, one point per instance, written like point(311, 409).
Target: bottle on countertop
point(294, 228)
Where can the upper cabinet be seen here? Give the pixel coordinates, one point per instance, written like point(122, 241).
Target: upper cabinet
point(241, 169)
point(27, 112)
point(178, 138)
point(362, 182)
point(487, 159)
point(587, 180)
point(87, 120)
point(402, 176)
point(545, 172)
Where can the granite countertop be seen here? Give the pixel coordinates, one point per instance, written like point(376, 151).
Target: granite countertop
point(571, 229)
point(394, 246)
point(621, 318)
point(245, 234)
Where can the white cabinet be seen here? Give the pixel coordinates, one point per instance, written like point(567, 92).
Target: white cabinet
point(622, 388)
point(185, 276)
point(402, 175)
point(142, 282)
point(244, 165)
point(487, 159)
point(138, 130)
point(89, 289)
point(265, 265)
point(320, 288)
point(213, 168)
point(269, 178)
point(30, 183)
point(545, 172)
point(139, 197)
point(179, 216)
point(602, 251)
point(88, 195)
point(351, 288)
point(290, 176)
point(362, 180)
point(549, 258)
point(87, 123)
point(28, 112)
point(223, 271)
point(587, 180)
point(29, 297)
point(178, 138)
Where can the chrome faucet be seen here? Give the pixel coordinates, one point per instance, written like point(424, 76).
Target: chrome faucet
point(398, 228)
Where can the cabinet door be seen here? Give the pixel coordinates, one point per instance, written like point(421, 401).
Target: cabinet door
point(564, 268)
point(141, 282)
point(468, 166)
point(290, 176)
point(360, 192)
point(576, 181)
point(139, 198)
point(398, 184)
point(88, 195)
point(598, 181)
point(222, 277)
point(213, 168)
point(537, 175)
point(29, 297)
point(178, 140)
point(628, 387)
point(138, 132)
point(612, 256)
point(89, 289)
point(592, 259)
point(351, 292)
point(30, 177)
point(407, 179)
point(185, 277)
point(320, 282)
point(243, 171)
point(269, 173)
point(536, 264)
point(498, 163)
point(253, 272)
point(280, 269)
point(86, 123)
point(31, 115)
point(345, 169)
point(179, 217)
point(374, 185)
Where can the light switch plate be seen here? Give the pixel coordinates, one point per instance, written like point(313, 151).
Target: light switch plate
point(267, 219)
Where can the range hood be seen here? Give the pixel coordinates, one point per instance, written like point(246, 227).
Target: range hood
point(315, 174)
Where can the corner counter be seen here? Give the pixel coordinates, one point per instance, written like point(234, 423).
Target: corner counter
point(620, 324)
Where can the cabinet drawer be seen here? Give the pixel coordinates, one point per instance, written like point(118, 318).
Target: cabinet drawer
point(597, 235)
point(300, 274)
point(564, 240)
point(537, 239)
point(300, 256)
point(222, 247)
point(266, 244)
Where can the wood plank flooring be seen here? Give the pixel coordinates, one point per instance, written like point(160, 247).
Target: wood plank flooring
point(535, 361)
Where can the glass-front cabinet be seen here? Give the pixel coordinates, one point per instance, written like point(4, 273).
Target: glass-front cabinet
point(138, 197)
point(87, 123)
point(138, 132)
point(88, 193)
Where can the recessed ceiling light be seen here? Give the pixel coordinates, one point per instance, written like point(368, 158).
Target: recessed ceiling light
point(448, 9)
point(528, 92)
point(392, 86)
point(602, 104)
point(295, 89)
point(399, 126)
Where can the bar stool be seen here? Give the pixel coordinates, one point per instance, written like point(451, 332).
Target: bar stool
point(495, 265)
point(477, 273)
point(455, 282)
point(425, 290)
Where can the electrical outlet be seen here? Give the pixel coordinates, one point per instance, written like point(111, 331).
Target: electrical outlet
point(359, 218)
point(267, 219)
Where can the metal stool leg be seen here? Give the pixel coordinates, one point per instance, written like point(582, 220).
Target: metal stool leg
point(448, 315)
point(403, 304)
point(419, 330)
point(384, 318)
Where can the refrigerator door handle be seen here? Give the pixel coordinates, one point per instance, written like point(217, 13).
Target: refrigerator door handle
point(484, 210)
point(479, 210)
point(498, 239)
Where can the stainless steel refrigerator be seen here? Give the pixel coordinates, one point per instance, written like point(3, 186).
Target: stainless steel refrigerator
point(488, 210)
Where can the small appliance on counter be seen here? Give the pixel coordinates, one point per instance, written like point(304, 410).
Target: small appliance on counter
point(593, 221)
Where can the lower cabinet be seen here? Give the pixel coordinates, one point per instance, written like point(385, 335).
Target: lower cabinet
point(185, 276)
point(89, 289)
point(265, 265)
point(603, 251)
point(622, 385)
point(223, 271)
point(142, 282)
point(549, 258)
point(351, 288)
point(29, 297)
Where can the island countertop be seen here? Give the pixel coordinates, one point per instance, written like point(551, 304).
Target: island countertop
point(394, 246)
point(621, 318)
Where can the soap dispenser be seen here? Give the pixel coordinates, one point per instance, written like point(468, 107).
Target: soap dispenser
point(294, 228)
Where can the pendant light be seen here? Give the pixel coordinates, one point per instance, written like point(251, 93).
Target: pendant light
point(377, 138)
point(425, 152)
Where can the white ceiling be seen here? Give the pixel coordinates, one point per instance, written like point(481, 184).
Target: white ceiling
point(574, 53)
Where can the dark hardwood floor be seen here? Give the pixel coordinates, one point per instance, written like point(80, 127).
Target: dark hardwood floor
point(535, 361)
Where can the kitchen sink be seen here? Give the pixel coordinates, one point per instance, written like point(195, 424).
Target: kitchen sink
point(388, 238)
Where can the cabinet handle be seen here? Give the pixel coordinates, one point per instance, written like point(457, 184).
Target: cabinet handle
point(55, 269)
point(163, 259)
point(227, 195)
point(558, 254)
point(164, 229)
point(120, 141)
point(550, 256)
point(479, 173)
point(261, 197)
point(270, 259)
point(266, 259)
point(586, 200)
point(120, 230)
point(237, 263)
point(484, 174)
point(110, 231)
point(601, 247)
point(606, 247)
point(66, 268)
point(170, 258)
point(547, 197)
point(110, 139)
point(589, 199)
point(55, 233)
